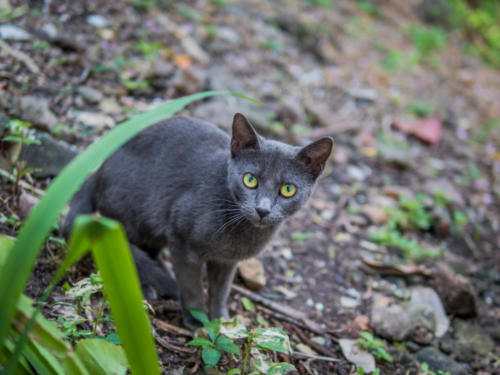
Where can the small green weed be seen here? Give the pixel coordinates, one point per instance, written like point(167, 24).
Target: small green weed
point(420, 108)
point(149, 50)
point(424, 367)
point(368, 7)
point(327, 4)
point(373, 345)
point(427, 40)
point(361, 371)
point(301, 236)
point(258, 342)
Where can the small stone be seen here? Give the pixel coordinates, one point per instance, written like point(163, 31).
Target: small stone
point(449, 190)
point(456, 291)
point(439, 361)
point(51, 156)
point(363, 93)
point(472, 338)
point(14, 33)
point(318, 340)
point(394, 155)
point(95, 120)
point(356, 355)
point(376, 214)
point(392, 322)
point(97, 20)
point(36, 111)
point(355, 173)
point(228, 35)
point(252, 272)
point(90, 94)
point(50, 29)
point(188, 81)
point(161, 68)
point(360, 323)
point(428, 298)
point(26, 204)
point(110, 106)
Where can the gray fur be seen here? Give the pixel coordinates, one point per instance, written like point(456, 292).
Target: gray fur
point(180, 182)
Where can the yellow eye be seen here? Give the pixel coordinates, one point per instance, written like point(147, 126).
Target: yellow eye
point(288, 190)
point(250, 181)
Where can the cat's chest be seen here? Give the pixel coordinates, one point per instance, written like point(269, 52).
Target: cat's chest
point(237, 245)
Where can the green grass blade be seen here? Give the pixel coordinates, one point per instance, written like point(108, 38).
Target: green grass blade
point(20, 261)
point(121, 285)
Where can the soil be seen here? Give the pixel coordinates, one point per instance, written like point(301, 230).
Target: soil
point(281, 52)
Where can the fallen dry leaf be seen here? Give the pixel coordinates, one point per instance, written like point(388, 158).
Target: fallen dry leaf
point(427, 129)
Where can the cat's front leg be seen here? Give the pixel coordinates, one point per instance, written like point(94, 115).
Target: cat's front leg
point(188, 272)
point(220, 278)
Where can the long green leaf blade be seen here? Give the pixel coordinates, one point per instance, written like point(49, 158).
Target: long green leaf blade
point(114, 261)
point(17, 267)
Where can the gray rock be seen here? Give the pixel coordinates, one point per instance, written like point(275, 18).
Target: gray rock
point(439, 361)
point(161, 68)
point(355, 173)
point(359, 357)
point(95, 120)
point(50, 156)
point(89, 94)
point(394, 155)
point(471, 338)
point(392, 322)
point(425, 302)
point(228, 35)
point(444, 185)
point(7, 101)
point(36, 111)
point(456, 292)
point(221, 112)
point(50, 29)
point(97, 21)
point(14, 33)
point(363, 93)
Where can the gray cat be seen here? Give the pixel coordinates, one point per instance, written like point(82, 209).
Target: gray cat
point(213, 199)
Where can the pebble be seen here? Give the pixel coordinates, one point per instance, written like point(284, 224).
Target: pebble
point(26, 203)
point(50, 157)
point(36, 110)
point(439, 361)
point(252, 272)
point(390, 321)
point(97, 20)
point(376, 214)
point(457, 293)
point(90, 94)
point(470, 338)
point(356, 173)
point(447, 187)
point(14, 33)
point(96, 120)
point(429, 299)
point(356, 355)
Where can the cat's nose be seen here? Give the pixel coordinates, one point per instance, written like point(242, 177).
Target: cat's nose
point(263, 212)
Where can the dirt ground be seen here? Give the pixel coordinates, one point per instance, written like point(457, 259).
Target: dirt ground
point(319, 72)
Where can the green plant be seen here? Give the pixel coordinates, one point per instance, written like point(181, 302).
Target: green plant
point(149, 50)
point(19, 133)
point(420, 108)
point(412, 212)
point(367, 7)
point(258, 343)
point(216, 343)
point(301, 236)
point(427, 40)
point(424, 367)
point(361, 371)
point(375, 346)
point(97, 234)
point(327, 4)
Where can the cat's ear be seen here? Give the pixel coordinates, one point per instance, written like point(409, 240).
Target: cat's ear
point(315, 155)
point(244, 135)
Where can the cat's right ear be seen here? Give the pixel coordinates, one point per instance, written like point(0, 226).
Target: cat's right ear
point(244, 136)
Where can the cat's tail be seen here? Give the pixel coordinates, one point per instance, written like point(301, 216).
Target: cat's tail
point(82, 203)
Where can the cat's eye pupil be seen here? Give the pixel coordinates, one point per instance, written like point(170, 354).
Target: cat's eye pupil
point(250, 181)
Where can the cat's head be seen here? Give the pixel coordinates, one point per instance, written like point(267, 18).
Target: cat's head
point(270, 180)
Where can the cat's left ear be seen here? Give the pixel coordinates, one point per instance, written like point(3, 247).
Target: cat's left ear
point(244, 135)
point(315, 155)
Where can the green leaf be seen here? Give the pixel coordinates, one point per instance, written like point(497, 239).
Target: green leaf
point(301, 236)
point(121, 286)
point(199, 315)
point(16, 270)
point(200, 341)
point(210, 357)
point(247, 304)
point(224, 343)
point(101, 357)
point(234, 371)
point(113, 338)
point(213, 328)
point(280, 368)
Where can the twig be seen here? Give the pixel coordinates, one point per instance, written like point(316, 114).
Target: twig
point(472, 246)
point(170, 346)
point(318, 357)
point(21, 56)
point(304, 323)
point(171, 328)
point(312, 344)
point(23, 184)
point(271, 304)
